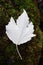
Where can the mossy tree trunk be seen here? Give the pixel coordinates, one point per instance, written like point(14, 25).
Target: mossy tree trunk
point(30, 51)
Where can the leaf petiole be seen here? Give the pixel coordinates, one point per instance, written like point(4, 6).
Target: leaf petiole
point(18, 52)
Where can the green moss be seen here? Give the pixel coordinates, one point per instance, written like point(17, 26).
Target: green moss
point(29, 51)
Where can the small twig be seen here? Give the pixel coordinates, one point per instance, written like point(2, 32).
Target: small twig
point(18, 52)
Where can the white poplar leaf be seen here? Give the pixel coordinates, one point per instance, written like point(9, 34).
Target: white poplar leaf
point(21, 31)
